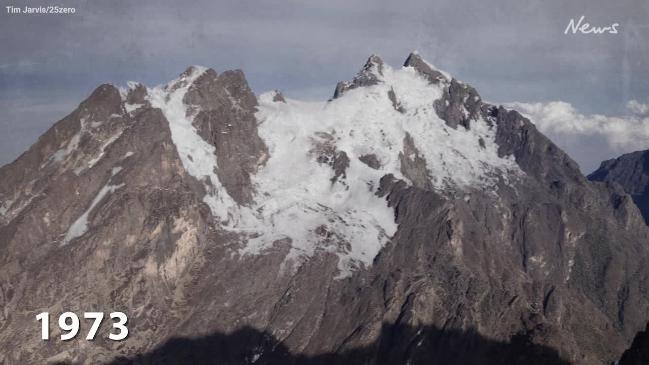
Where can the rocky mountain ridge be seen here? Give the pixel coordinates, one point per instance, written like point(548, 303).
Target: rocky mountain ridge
point(631, 171)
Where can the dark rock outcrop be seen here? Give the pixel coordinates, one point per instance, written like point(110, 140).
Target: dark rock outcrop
point(638, 353)
point(413, 165)
point(279, 97)
point(367, 76)
point(415, 61)
point(395, 103)
point(226, 119)
point(459, 105)
point(370, 160)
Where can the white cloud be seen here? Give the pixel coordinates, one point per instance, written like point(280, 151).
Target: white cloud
point(590, 139)
point(638, 108)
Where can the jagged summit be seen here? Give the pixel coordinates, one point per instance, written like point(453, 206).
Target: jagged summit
point(278, 97)
point(415, 61)
point(372, 73)
point(459, 105)
point(188, 75)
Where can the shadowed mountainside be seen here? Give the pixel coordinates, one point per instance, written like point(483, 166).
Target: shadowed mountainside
point(638, 353)
point(397, 344)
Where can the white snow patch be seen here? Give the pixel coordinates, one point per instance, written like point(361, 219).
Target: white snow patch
point(102, 149)
point(295, 197)
point(132, 107)
point(4, 207)
point(80, 226)
point(571, 263)
point(123, 91)
point(62, 153)
point(59, 155)
point(73, 144)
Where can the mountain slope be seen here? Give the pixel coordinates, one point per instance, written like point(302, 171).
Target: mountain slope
point(405, 203)
point(631, 171)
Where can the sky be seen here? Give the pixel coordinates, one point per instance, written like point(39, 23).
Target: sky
point(588, 92)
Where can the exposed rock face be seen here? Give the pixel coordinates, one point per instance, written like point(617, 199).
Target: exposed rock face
point(413, 165)
point(369, 75)
point(226, 119)
point(279, 97)
point(631, 171)
point(424, 68)
point(459, 105)
point(325, 152)
point(395, 103)
point(370, 160)
point(376, 228)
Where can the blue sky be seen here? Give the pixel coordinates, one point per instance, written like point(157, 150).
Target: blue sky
point(511, 51)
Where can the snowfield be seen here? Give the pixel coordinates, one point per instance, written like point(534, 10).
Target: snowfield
point(298, 197)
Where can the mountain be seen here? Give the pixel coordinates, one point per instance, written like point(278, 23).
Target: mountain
point(403, 221)
point(631, 171)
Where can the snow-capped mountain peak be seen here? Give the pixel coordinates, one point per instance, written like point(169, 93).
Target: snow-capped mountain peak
point(316, 184)
point(404, 200)
point(308, 173)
